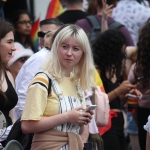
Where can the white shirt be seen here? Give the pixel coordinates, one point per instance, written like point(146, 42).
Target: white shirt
point(25, 76)
point(131, 14)
point(147, 126)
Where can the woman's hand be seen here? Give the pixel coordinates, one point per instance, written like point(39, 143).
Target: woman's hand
point(79, 116)
point(136, 92)
point(106, 11)
point(124, 88)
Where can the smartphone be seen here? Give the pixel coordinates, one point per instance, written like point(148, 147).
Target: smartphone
point(133, 96)
point(91, 107)
point(138, 80)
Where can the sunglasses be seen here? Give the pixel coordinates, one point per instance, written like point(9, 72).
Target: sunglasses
point(23, 59)
point(41, 34)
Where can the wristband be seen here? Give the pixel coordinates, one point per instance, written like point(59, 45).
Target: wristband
point(115, 93)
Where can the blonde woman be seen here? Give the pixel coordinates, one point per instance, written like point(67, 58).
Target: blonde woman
point(57, 118)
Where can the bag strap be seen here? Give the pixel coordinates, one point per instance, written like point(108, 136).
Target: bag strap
point(55, 84)
point(115, 25)
point(49, 85)
point(93, 97)
point(94, 21)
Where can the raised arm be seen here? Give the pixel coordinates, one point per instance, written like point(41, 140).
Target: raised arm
point(106, 10)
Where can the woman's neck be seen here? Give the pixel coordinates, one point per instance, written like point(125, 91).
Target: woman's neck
point(23, 39)
point(67, 72)
point(113, 79)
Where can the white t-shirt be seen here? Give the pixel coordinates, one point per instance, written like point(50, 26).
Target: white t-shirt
point(25, 76)
point(131, 14)
point(147, 126)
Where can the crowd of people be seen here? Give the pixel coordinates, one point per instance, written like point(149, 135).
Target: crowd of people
point(98, 57)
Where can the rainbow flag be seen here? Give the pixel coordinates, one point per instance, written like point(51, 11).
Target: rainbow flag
point(55, 8)
point(34, 36)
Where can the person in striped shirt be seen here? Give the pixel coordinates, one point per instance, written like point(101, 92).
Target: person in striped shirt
point(57, 118)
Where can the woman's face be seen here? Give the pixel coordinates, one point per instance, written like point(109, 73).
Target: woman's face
point(16, 66)
point(6, 47)
point(24, 25)
point(69, 53)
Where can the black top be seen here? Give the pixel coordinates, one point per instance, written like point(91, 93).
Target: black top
point(71, 16)
point(110, 86)
point(7, 104)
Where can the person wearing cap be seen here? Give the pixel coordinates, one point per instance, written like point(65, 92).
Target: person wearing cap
point(18, 58)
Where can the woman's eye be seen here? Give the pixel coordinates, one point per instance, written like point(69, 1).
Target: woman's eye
point(64, 46)
point(76, 49)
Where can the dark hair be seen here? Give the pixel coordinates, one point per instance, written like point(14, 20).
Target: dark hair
point(55, 34)
point(73, 1)
point(107, 52)
point(92, 10)
point(55, 21)
point(5, 27)
point(109, 2)
point(143, 55)
point(14, 19)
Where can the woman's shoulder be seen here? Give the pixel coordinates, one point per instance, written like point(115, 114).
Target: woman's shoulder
point(10, 77)
point(41, 79)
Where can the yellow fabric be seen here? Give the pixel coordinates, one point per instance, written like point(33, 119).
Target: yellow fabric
point(38, 105)
point(98, 81)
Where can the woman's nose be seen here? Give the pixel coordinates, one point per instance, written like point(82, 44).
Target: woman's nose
point(69, 52)
point(13, 47)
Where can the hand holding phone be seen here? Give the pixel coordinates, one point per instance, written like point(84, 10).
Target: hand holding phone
point(91, 107)
point(136, 97)
point(138, 80)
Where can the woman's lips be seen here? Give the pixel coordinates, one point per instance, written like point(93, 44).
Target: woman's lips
point(69, 60)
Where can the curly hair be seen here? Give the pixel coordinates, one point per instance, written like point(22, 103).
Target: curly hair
point(142, 67)
point(107, 52)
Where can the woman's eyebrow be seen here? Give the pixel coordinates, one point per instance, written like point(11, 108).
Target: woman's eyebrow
point(11, 40)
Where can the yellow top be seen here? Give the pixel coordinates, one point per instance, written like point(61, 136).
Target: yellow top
point(39, 104)
point(99, 81)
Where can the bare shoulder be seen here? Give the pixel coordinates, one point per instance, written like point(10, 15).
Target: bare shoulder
point(10, 78)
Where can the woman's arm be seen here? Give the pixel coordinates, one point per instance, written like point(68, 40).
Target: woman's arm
point(147, 141)
point(12, 115)
point(45, 123)
point(85, 133)
point(122, 89)
point(131, 52)
point(106, 12)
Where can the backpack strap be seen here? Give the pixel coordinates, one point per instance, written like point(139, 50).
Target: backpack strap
point(49, 85)
point(94, 22)
point(93, 97)
point(115, 25)
point(55, 84)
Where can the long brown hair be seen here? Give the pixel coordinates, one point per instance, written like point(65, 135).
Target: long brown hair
point(142, 67)
point(5, 27)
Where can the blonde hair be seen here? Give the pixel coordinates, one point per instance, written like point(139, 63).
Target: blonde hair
point(84, 70)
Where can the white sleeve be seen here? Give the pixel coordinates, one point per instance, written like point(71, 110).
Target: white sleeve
point(5, 135)
point(23, 79)
point(147, 126)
